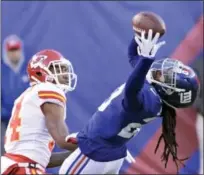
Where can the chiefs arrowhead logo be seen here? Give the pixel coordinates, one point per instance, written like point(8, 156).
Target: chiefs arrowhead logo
point(37, 60)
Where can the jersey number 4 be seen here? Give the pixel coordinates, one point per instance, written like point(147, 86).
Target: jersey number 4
point(12, 133)
point(14, 125)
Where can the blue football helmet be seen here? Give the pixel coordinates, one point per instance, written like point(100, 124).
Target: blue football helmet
point(176, 83)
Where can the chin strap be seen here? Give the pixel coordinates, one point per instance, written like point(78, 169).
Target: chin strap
point(169, 104)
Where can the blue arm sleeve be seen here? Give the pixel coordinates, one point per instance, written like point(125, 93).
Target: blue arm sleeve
point(133, 94)
point(132, 53)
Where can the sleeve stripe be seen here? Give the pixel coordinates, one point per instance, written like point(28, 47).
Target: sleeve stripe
point(52, 97)
point(51, 94)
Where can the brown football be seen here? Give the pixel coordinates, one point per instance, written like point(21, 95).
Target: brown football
point(148, 20)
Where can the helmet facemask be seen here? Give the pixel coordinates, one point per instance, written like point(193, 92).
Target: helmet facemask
point(62, 74)
point(163, 73)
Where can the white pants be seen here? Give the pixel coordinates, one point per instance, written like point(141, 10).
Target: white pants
point(199, 129)
point(78, 163)
point(8, 165)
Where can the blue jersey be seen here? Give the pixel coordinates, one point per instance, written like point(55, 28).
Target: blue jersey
point(120, 117)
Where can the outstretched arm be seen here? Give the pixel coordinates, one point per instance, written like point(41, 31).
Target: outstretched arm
point(133, 96)
point(147, 48)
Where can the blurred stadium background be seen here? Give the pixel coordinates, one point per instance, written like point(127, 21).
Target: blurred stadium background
point(95, 37)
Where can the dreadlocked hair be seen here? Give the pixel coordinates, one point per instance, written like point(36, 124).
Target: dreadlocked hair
point(169, 136)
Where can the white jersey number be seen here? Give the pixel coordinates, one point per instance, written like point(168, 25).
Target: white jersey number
point(130, 130)
point(185, 97)
point(14, 126)
point(115, 94)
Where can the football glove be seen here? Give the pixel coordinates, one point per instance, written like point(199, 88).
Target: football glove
point(148, 47)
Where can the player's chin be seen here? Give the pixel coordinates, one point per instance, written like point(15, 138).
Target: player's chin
point(66, 83)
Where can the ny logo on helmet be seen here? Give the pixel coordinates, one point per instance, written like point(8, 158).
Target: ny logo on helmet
point(185, 97)
point(37, 60)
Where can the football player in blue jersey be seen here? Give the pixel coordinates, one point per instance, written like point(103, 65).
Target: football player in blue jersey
point(154, 89)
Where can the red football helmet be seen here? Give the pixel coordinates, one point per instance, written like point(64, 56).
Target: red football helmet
point(47, 66)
